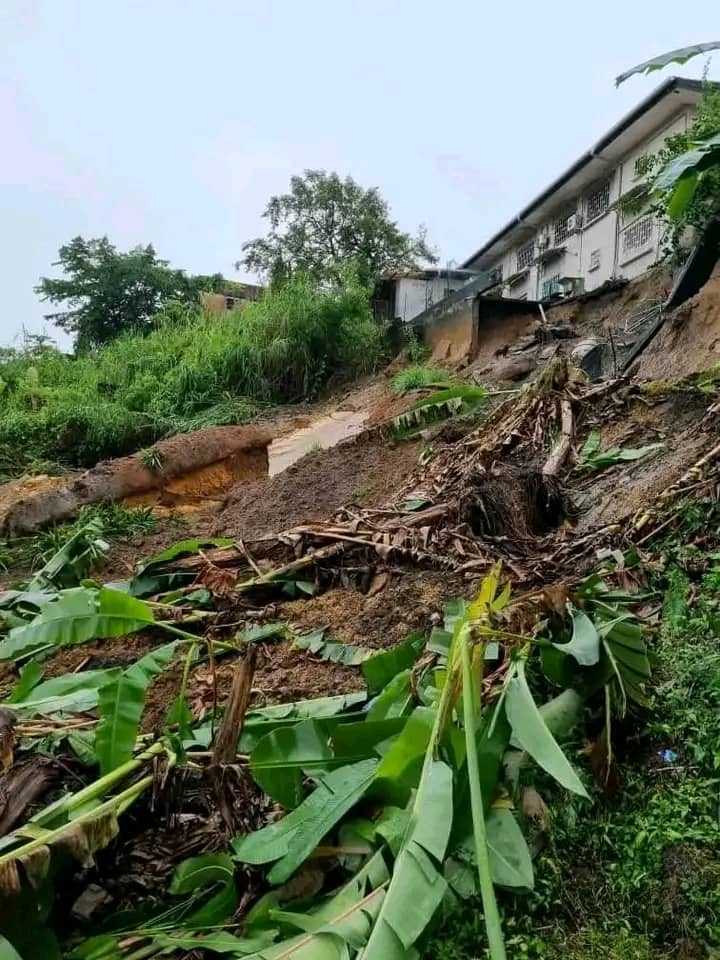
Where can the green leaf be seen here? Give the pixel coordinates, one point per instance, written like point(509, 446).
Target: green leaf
point(76, 616)
point(203, 871)
point(417, 887)
point(261, 721)
point(532, 734)
point(380, 669)
point(30, 675)
point(399, 770)
point(121, 705)
point(682, 195)
point(291, 840)
point(343, 921)
point(510, 860)
point(263, 631)
point(7, 950)
point(681, 55)
point(345, 653)
point(279, 758)
point(70, 693)
point(82, 744)
point(181, 549)
point(394, 700)
point(214, 942)
point(584, 644)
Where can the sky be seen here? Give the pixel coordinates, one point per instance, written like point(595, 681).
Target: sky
point(172, 122)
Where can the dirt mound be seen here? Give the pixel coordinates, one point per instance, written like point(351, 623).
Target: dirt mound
point(192, 465)
point(363, 471)
point(690, 339)
point(405, 604)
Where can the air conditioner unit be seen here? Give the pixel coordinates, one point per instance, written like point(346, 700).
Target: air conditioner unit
point(574, 222)
point(543, 241)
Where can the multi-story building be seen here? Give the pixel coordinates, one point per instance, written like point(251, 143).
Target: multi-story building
point(578, 233)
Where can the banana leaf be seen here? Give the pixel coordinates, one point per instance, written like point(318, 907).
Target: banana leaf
point(76, 616)
point(121, 704)
point(291, 840)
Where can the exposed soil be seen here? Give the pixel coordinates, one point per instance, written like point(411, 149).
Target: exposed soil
point(690, 339)
point(618, 492)
point(360, 472)
point(282, 675)
point(406, 603)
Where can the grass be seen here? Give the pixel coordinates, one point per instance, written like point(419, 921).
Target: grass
point(117, 521)
point(637, 874)
point(196, 369)
point(417, 377)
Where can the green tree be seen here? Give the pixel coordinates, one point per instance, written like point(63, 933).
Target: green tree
point(325, 222)
point(106, 292)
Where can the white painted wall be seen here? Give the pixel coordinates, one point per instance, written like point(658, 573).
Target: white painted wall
point(599, 251)
point(412, 295)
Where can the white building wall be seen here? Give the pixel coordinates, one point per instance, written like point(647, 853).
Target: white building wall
point(413, 295)
point(610, 245)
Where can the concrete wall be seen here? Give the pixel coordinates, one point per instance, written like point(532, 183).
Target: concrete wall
point(453, 334)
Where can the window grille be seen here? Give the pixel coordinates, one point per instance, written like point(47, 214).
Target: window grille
point(597, 202)
point(638, 235)
point(525, 255)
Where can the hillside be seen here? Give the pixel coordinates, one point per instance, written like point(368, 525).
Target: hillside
point(283, 703)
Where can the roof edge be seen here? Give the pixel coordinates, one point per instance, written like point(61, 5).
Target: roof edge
point(672, 83)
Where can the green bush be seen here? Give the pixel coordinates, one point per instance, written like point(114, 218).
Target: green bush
point(417, 377)
point(195, 369)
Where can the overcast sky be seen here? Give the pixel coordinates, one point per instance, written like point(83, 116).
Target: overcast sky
point(173, 121)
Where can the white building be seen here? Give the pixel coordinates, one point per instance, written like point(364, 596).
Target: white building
point(404, 296)
point(575, 235)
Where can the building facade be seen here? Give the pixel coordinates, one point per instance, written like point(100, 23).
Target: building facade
point(404, 296)
point(581, 231)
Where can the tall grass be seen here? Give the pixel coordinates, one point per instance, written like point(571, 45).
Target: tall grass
point(195, 369)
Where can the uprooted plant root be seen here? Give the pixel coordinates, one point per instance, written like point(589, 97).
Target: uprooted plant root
point(513, 503)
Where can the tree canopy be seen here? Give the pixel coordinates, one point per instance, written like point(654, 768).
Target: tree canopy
point(323, 223)
point(106, 292)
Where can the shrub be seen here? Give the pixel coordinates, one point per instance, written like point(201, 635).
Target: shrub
point(195, 369)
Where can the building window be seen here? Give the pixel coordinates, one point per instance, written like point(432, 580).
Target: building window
point(638, 236)
point(550, 286)
point(562, 228)
point(594, 260)
point(597, 202)
point(525, 255)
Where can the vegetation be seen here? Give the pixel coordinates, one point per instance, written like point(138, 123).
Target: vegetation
point(110, 520)
point(195, 369)
point(417, 377)
point(324, 223)
point(441, 755)
point(107, 293)
point(644, 858)
point(683, 184)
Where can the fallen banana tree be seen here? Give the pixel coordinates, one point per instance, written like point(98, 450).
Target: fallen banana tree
point(411, 786)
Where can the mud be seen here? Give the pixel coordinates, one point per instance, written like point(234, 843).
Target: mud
point(361, 472)
point(320, 434)
point(618, 492)
point(410, 601)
